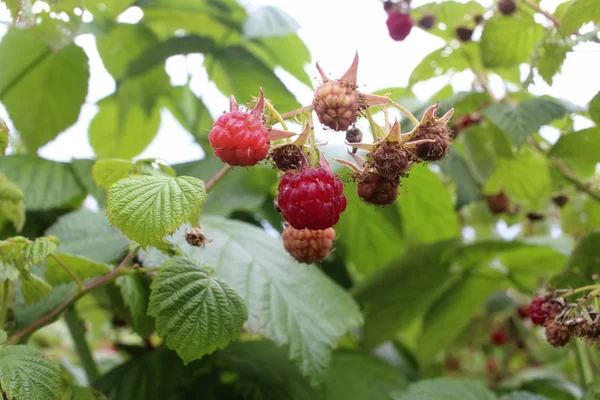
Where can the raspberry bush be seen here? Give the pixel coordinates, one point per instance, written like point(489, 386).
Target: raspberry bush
point(346, 242)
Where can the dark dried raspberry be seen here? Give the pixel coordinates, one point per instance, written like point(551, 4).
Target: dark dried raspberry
point(399, 25)
point(308, 246)
point(507, 7)
point(427, 22)
point(312, 198)
point(560, 200)
point(464, 34)
point(375, 189)
point(498, 337)
point(289, 157)
point(390, 159)
point(432, 151)
point(498, 203)
point(195, 237)
point(388, 6)
point(533, 216)
point(354, 135)
point(478, 19)
point(558, 335)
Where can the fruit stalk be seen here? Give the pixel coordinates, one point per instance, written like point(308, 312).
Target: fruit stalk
point(545, 13)
point(82, 347)
point(405, 111)
point(217, 178)
point(275, 113)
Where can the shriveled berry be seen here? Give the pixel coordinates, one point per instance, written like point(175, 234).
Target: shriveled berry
point(542, 311)
point(427, 22)
point(390, 159)
point(436, 150)
point(399, 25)
point(312, 198)
point(558, 335)
point(195, 237)
point(507, 7)
point(288, 157)
point(388, 6)
point(375, 189)
point(464, 34)
point(354, 135)
point(560, 200)
point(523, 311)
point(533, 216)
point(337, 104)
point(239, 139)
point(308, 246)
point(498, 337)
point(498, 203)
point(478, 19)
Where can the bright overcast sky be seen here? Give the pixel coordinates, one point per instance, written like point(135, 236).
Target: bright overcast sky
point(333, 31)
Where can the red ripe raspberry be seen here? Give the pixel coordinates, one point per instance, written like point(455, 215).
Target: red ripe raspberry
point(523, 311)
point(308, 246)
point(399, 25)
point(542, 310)
point(312, 198)
point(239, 138)
point(498, 337)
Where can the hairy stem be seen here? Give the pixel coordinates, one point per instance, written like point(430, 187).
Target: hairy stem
point(275, 113)
point(69, 271)
point(215, 179)
point(147, 269)
point(75, 326)
point(48, 318)
point(4, 310)
point(581, 289)
point(295, 112)
point(405, 111)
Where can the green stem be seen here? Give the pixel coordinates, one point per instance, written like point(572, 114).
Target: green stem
point(405, 111)
point(581, 289)
point(147, 269)
point(376, 130)
point(583, 363)
point(275, 113)
point(75, 326)
point(4, 310)
point(215, 179)
point(295, 112)
point(69, 271)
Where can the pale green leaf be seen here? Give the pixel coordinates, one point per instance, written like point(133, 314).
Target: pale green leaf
point(355, 375)
point(35, 289)
point(550, 61)
point(449, 15)
point(583, 264)
point(88, 234)
point(108, 171)
point(109, 9)
point(82, 267)
point(83, 171)
point(135, 290)
point(4, 135)
point(267, 21)
point(595, 108)
point(26, 374)
point(284, 298)
point(524, 180)
point(14, 211)
point(447, 389)
point(522, 396)
point(197, 312)
point(289, 52)
point(12, 252)
point(40, 248)
point(42, 89)
point(8, 271)
point(191, 112)
point(451, 313)
point(518, 122)
point(509, 41)
point(579, 150)
point(3, 337)
point(9, 191)
point(580, 216)
point(46, 184)
point(447, 60)
point(426, 207)
point(578, 13)
point(27, 314)
point(146, 208)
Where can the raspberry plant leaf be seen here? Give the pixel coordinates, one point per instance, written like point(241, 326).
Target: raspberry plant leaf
point(43, 89)
point(35, 289)
point(551, 59)
point(468, 188)
point(595, 108)
point(3, 337)
point(83, 171)
point(135, 290)
point(37, 251)
point(46, 184)
point(89, 234)
point(578, 13)
point(268, 21)
point(451, 14)
point(82, 267)
point(583, 263)
point(522, 396)
point(195, 311)
point(9, 191)
point(106, 172)
point(27, 374)
point(281, 295)
point(3, 137)
point(447, 389)
point(146, 208)
point(577, 150)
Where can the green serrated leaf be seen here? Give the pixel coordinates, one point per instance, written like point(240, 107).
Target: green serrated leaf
point(82, 267)
point(106, 172)
point(550, 60)
point(27, 374)
point(135, 290)
point(426, 207)
point(447, 389)
point(146, 208)
point(449, 15)
point(40, 248)
point(447, 60)
point(35, 289)
point(578, 13)
point(595, 108)
point(578, 150)
point(42, 89)
point(3, 337)
point(14, 211)
point(197, 312)
point(9, 191)
point(509, 41)
point(468, 189)
point(281, 294)
point(8, 272)
point(89, 234)
point(518, 122)
point(46, 184)
point(4, 134)
point(83, 171)
point(583, 263)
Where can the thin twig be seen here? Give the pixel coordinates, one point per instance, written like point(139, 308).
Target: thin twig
point(297, 111)
point(545, 13)
point(215, 179)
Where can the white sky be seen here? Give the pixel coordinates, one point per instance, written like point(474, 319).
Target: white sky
point(333, 30)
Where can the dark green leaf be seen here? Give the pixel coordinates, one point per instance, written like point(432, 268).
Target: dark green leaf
point(583, 263)
point(289, 52)
point(135, 290)
point(550, 60)
point(522, 396)
point(83, 171)
point(468, 189)
point(191, 113)
point(479, 152)
point(82, 267)
point(447, 389)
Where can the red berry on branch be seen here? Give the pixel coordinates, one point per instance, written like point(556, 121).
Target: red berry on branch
point(427, 22)
point(507, 7)
point(498, 203)
point(312, 198)
point(542, 310)
point(375, 189)
point(399, 25)
point(523, 311)
point(240, 138)
point(464, 34)
point(308, 246)
point(452, 364)
point(498, 337)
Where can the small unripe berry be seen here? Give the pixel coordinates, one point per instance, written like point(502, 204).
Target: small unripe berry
point(478, 19)
point(560, 200)
point(507, 7)
point(523, 311)
point(308, 246)
point(427, 22)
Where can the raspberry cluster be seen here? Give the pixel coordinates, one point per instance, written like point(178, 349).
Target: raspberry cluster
point(310, 196)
